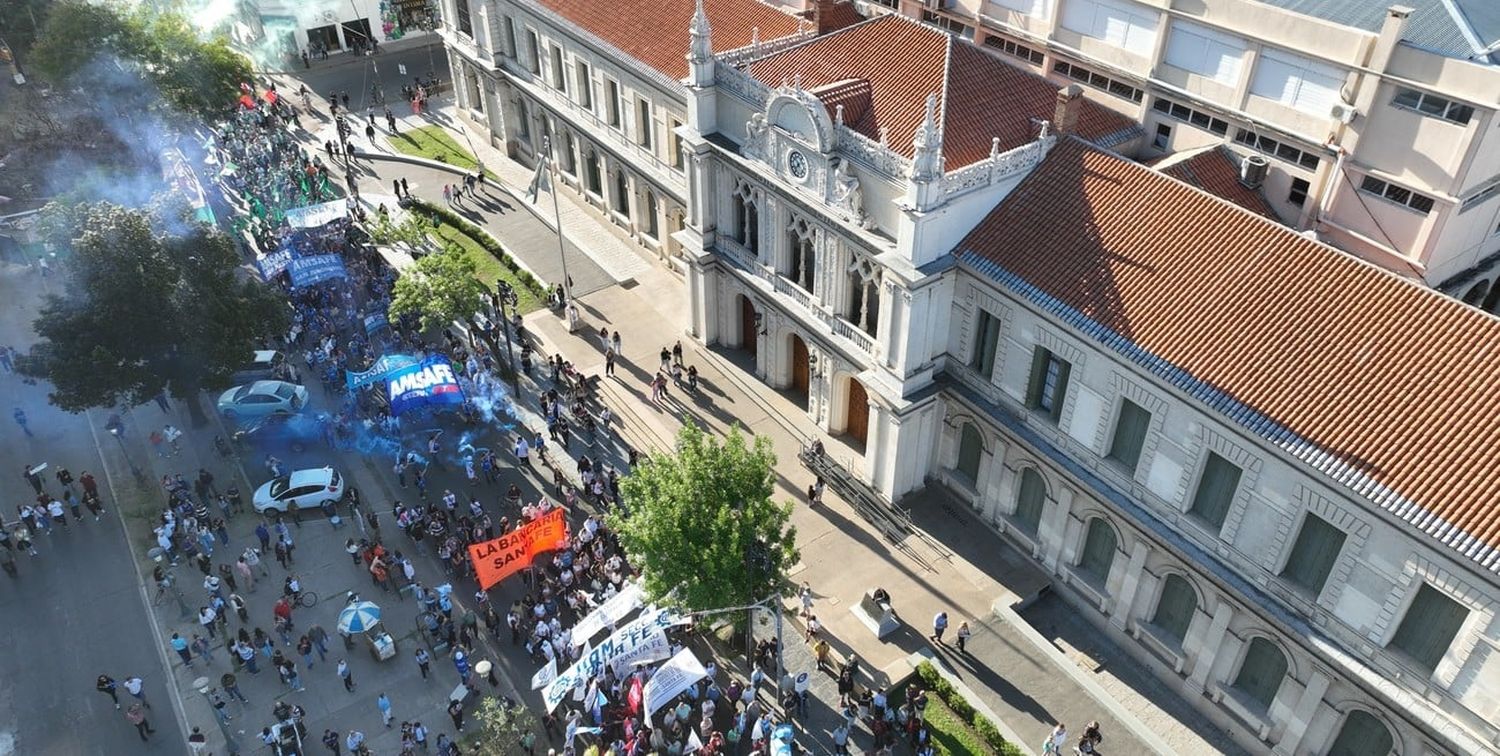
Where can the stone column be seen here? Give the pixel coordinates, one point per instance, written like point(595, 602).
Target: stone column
point(1130, 583)
point(1205, 653)
point(1302, 716)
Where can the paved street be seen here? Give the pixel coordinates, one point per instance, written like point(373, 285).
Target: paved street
point(76, 610)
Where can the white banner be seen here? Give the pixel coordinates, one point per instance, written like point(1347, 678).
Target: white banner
point(608, 613)
point(545, 675)
point(313, 216)
point(642, 640)
point(677, 675)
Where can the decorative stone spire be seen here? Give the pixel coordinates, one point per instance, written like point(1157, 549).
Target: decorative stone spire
point(927, 145)
point(700, 56)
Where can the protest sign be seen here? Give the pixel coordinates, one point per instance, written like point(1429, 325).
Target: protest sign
point(497, 559)
point(545, 675)
point(608, 613)
point(674, 677)
point(313, 216)
point(313, 269)
point(272, 263)
point(642, 640)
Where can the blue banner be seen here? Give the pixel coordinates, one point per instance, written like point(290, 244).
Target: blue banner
point(375, 321)
point(307, 271)
point(379, 370)
point(431, 383)
point(272, 264)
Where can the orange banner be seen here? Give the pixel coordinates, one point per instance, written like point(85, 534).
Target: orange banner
point(497, 559)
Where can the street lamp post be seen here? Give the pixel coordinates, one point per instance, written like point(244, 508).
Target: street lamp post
point(506, 295)
point(116, 431)
point(230, 744)
point(168, 580)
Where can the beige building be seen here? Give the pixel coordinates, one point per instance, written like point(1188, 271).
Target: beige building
point(1379, 125)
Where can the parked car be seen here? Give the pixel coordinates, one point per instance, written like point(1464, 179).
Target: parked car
point(297, 433)
point(264, 365)
point(262, 398)
point(308, 489)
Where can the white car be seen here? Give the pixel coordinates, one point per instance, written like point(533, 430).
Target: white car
point(262, 398)
point(308, 489)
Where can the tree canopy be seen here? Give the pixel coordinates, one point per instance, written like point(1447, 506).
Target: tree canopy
point(502, 729)
point(151, 303)
point(702, 525)
point(440, 288)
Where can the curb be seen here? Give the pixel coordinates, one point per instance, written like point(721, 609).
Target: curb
point(927, 655)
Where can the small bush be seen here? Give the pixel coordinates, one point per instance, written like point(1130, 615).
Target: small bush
point(936, 683)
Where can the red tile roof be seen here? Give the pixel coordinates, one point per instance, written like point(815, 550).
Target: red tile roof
point(1386, 386)
point(840, 15)
point(655, 32)
point(1216, 171)
point(980, 96)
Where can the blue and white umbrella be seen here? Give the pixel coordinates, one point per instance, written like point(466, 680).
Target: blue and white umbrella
point(358, 617)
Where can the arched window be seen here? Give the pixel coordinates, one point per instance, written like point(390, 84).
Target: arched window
point(1030, 496)
point(970, 447)
point(622, 193)
point(569, 160)
point(1175, 607)
point(1362, 735)
point(591, 167)
point(653, 224)
point(1261, 672)
point(1098, 550)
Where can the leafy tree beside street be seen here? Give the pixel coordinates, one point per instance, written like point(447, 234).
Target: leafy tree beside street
point(503, 730)
point(702, 524)
point(148, 303)
point(440, 288)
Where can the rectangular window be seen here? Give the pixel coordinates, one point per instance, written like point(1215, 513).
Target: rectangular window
point(1280, 150)
point(1299, 83)
point(1298, 193)
point(1206, 52)
point(559, 74)
point(1008, 47)
point(584, 83)
point(1047, 391)
point(1126, 26)
point(1216, 489)
point(1429, 627)
point(612, 103)
point(510, 37)
point(1033, 8)
point(1399, 195)
point(465, 21)
point(986, 344)
point(947, 24)
point(533, 52)
point(1163, 137)
point(1130, 435)
point(1316, 549)
point(1201, 119)
point(676, 144)
point(1432, 105)
point(643, 123)
point(523, 121)
point(1099, 81)
point(1482, 196)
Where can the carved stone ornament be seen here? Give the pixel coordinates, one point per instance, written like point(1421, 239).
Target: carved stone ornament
point(848, 197)
point(756, 130)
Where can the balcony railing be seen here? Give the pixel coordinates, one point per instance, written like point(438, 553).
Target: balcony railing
point(745, 260)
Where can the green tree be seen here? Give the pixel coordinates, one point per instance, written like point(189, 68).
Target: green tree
point(410, 231)
point(152, 303)
point(501, 729)
point(440, 288)
point(702, 524)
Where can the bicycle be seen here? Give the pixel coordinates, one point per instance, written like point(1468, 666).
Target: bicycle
point(307, 599)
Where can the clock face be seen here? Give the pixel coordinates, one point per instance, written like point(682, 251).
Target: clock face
point(796, 164)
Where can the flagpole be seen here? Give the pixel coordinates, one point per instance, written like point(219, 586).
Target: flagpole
point(562, 251)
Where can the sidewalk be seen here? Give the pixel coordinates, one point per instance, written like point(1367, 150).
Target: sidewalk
point(1028, 683)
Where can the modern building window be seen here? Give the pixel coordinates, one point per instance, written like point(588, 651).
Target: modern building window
point(1030, 496)
point(1034, 57)
point(643, 124)
point(1362, 735)
point(1313, 554)
point(1099, 81)
point(1130, 435)
point(1261, 672)
point(612, 102)
point(1124, 25)
point(1482, 196)
point(1397, 194)
point(584, 85)
point(1302, 84)
point(947, 24)
point(461, 15)
point(1186, 114)
point(1277, 149)
point(970, 450)
point(1216, 488)
point(1206, 52)
point(1431, 105)
point(1033, 8)
point(559, 73)
point(1297, 195)
point(1429, 627)
point(1047, 390)
point(1098, 550)
point(1175, 608)
point(1163, 138)
point(986, 344)
point(510, 37)
point(533, 52)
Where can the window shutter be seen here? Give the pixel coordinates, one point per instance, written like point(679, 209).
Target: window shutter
point(1130, 434)
point(1175, 607)
point(1313, 555)
point(1216, 489)
point(1038, 375)
point(1098, 550)
point(1029, 500)
point(1060, 396)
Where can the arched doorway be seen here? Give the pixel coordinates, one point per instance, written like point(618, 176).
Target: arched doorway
point(970, 447)
point(749, 336)
point(800, 377)
point(857, 414)
point(1362, 735)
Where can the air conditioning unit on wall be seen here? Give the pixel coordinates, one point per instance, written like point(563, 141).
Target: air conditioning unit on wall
point(1343, 113)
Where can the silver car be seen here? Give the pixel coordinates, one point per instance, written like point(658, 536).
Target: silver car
point(262, 398)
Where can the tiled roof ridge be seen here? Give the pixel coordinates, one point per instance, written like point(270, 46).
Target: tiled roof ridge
point(819, 38)
point(1223, 151)
point(942, 116)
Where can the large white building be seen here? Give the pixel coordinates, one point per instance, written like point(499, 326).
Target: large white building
point(1265, 467)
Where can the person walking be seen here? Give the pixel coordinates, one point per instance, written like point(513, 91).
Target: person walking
point(1053, 745)
point(424, 661)
point(384, 704)
point(106, 685)
point(136, 715)
point(231, 685)
point(20, 416)
point(456, 713)
point(939, 626)
point(135, 686)
point(319, 638)
point(197, 741)
point(963, 635)
point(346, 675)
point(331, 742)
